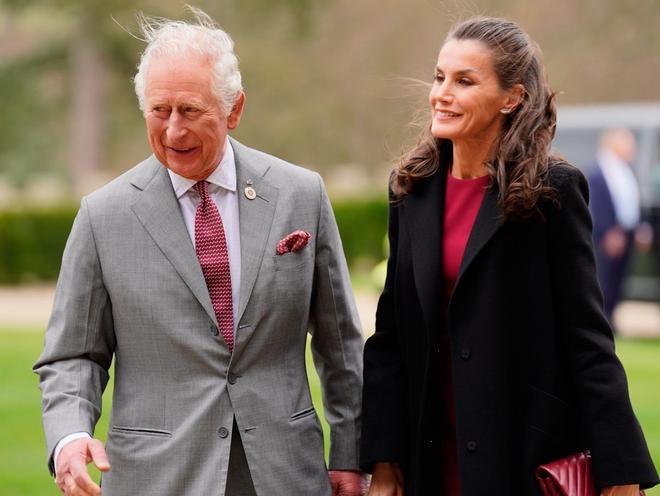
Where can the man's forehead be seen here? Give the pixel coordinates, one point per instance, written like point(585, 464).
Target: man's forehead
point(177, 76)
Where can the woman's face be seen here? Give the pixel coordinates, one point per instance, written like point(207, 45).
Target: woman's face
point(466, 97)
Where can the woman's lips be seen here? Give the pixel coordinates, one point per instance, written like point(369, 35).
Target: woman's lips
point(444, 115)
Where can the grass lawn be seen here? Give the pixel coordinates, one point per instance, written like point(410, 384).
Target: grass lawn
point(22, 453)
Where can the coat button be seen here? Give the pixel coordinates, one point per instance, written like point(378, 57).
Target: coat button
point(223, 432)
point(472, 446)
point(232, 378)
point(466, 354)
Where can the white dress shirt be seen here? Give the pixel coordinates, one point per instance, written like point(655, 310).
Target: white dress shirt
point(623, 188)
point(222, 190)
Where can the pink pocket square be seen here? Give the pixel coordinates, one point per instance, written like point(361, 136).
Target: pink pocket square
point(295, 241)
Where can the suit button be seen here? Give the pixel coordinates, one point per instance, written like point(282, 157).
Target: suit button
point(223, 432)
point(213, 329)
point(466, 354)
point(472, 446)
point(232, 378)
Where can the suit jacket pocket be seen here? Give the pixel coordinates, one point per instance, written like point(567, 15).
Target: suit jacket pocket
point(307, 412)
point(293, 260)
point(140, 431)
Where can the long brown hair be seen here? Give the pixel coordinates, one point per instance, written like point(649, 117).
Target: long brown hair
point(522, 155)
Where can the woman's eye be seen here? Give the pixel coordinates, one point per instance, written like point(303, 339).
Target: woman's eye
point(439, 78)
point(464, 82)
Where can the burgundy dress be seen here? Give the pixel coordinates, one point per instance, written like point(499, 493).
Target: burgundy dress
point(462, 201)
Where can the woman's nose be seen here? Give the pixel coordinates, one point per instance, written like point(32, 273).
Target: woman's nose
point(440, 92)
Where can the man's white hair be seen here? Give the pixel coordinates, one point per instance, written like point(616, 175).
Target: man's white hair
point(203, 37)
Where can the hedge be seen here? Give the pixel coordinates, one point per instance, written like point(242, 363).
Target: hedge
point(31, 243)
point(32, 239)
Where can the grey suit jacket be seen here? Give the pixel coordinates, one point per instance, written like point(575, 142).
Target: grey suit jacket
point(131, 288)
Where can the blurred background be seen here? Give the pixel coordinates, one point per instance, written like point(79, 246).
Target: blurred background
point(332, 85)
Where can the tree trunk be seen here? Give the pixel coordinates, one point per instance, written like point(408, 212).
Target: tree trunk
point(88, 114)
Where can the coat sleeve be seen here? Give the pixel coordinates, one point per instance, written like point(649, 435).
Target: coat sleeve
point(79, 341)
point(619, 451)
point(337, 341)
point(384, 397)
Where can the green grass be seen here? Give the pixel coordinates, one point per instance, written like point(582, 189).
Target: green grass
point(23, 456)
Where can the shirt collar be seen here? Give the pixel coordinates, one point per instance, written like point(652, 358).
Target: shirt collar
point(224, 175)
point(610, 161)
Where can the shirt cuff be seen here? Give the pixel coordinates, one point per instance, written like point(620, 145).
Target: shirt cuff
point(66, 440)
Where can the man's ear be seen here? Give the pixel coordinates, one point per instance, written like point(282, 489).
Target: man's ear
point(234, 117)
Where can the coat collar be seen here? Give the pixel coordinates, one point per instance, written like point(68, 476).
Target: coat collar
point(423, 211)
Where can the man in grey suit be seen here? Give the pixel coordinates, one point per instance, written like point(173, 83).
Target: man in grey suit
point(201, 271)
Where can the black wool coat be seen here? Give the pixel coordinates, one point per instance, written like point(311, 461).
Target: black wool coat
point(535, 376)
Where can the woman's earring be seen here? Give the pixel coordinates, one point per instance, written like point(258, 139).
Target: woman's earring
point(506, 110)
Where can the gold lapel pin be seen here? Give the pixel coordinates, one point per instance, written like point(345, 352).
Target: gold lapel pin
point(249, 191)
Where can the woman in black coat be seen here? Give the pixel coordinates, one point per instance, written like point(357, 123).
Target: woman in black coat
point(491, 354)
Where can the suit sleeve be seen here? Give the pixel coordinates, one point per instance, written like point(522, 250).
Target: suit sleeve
point(337, 341)
point(619, 451)
point(79, 341)
point(384, 397)
point(599, 206)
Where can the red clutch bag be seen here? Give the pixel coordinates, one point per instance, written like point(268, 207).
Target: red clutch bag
point(570, 476)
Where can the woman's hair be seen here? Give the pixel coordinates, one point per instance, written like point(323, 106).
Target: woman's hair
point(201, 37)
point(522, 151)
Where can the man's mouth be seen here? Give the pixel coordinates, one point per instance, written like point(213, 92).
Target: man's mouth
point(182, 151)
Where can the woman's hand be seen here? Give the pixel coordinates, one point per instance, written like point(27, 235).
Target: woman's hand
point(386, 480)
point(629, 490)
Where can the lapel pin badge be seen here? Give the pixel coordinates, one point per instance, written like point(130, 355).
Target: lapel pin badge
point(249, 191)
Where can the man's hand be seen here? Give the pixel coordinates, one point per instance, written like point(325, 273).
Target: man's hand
point(347, 483)
point(72, 476)
point(629, 490)
point(614, 242)
point(387, 480)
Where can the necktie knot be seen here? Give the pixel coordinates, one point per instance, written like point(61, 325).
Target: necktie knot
point(202, 188)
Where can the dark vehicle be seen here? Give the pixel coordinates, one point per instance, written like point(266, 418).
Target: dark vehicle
point(578, 133)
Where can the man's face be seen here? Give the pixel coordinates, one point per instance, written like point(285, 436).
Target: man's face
point(186, 125)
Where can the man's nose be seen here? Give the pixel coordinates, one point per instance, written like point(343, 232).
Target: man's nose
point(176, 128)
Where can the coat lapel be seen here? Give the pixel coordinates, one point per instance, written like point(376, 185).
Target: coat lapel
point(255, 220)
point(158, 210)
point(424, 214)
point(485, 226)
point(423, 211)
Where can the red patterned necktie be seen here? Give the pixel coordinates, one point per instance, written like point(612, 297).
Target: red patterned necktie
point(211, 248)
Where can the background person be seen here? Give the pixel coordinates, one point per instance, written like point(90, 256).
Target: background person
point(179, 271)
point(491, 353)
point(615, 209)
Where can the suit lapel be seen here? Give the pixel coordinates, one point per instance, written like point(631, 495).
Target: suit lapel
point(423, 211)
point(158, 210)
point(255, 220)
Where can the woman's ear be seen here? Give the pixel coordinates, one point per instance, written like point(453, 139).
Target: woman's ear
point(514, 98)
